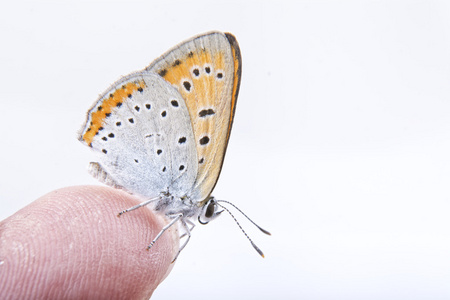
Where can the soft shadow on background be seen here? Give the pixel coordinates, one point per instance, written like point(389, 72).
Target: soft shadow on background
point(340, 145)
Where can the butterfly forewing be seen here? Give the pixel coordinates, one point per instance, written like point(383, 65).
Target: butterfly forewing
point(206, 72)
point(141, 129)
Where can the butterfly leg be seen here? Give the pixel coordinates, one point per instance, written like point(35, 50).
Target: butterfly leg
point(190, 229)
point(137, 206)
point(188, 233)
point(175, 218)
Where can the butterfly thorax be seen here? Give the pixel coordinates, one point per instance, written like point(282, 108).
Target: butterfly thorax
point(170, 205)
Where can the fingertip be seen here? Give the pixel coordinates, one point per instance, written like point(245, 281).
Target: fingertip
point(80, 246)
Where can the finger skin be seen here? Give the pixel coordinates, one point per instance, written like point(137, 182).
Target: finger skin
point(70, 244)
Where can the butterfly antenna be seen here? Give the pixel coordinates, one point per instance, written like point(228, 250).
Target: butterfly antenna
point(263, 230)
point(253, 244)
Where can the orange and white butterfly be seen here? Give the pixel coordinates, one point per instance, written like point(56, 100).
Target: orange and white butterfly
point(162, 132)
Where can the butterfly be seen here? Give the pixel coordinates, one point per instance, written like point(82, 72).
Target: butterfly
point(162, 132)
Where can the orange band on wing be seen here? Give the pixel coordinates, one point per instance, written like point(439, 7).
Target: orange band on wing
point(181, 68)
point(99, 113)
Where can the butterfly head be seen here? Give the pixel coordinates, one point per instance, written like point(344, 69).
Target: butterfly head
point(209, 212)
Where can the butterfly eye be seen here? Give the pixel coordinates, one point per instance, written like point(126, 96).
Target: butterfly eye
point(209, 212)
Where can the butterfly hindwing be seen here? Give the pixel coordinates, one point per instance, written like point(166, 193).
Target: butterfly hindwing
point(141, 129)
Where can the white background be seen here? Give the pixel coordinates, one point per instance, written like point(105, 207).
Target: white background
point(340, 146)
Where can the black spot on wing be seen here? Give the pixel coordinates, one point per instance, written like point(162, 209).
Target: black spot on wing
point(162, 73)
point(204, 140)
point(187, 86)
point(206, 112)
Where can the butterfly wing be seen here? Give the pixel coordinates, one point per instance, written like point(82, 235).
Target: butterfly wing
point(206, 70)
point(140, 128)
